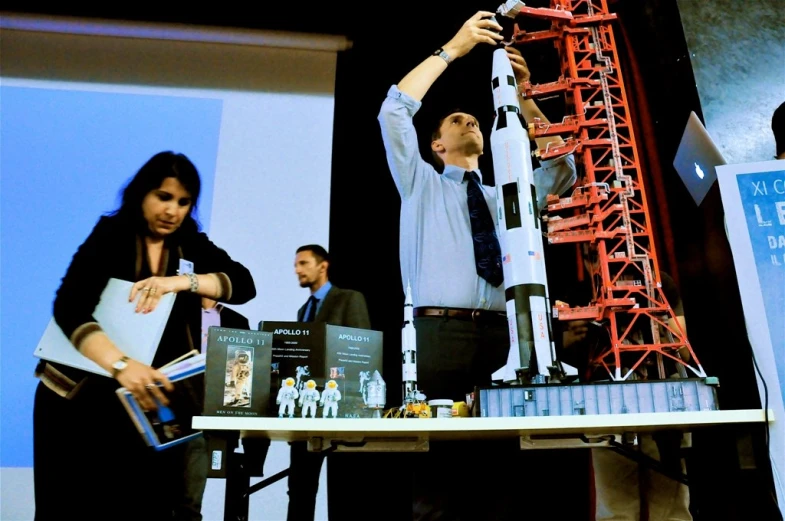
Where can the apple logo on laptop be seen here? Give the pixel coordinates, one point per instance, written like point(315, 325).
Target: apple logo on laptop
point(698, 171)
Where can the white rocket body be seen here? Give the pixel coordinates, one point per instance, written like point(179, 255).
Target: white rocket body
point(520, 232)
point(409, 346)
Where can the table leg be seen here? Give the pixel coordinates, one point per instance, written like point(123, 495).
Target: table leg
point(226, 462)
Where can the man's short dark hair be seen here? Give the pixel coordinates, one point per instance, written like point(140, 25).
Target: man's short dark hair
point(436, 133)
point(778, 128)
point(319, 252)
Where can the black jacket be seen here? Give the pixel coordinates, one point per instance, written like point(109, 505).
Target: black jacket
point(232, 319)
point(341, 307)
point(115, 250)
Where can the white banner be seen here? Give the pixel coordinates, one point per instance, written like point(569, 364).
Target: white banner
point(753, 195)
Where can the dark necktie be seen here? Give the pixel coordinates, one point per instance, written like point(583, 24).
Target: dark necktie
point(487, 252)
point(310, 312)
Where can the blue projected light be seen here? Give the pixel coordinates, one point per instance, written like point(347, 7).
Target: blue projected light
point(66, 155)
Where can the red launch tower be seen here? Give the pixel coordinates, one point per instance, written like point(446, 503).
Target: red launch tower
point(607, 208)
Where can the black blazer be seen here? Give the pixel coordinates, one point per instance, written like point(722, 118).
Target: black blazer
point(114, 249)
point(341, 307)
point(232, 319)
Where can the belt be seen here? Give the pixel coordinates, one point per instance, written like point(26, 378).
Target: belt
point(475, 315)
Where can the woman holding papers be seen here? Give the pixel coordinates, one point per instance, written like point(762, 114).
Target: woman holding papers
point(90, 462)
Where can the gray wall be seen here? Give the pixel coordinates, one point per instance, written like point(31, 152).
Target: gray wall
point(737, 49)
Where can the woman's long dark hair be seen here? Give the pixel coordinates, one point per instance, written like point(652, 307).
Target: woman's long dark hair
point(150, 177)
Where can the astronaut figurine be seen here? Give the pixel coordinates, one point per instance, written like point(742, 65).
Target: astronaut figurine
point(330, 398)
point(286, 397)
point(308, 399)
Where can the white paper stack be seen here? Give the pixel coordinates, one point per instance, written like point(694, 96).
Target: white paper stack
point(135, 334)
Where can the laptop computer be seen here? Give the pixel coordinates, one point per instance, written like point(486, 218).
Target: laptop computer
point(697, 158)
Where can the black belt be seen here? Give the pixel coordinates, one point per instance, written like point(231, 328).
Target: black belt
point(474, 315)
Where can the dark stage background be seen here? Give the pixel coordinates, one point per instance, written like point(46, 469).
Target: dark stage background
point(728, 468)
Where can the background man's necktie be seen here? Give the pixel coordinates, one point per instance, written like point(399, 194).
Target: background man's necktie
point(487, 252)
point(310, 313)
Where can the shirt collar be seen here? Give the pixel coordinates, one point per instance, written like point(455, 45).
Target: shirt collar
point(322, 292)
point(455, 173)
point(215, 309)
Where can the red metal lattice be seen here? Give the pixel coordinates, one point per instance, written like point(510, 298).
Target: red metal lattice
point(607, 209)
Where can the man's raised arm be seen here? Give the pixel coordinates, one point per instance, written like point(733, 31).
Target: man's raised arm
point(477, 29)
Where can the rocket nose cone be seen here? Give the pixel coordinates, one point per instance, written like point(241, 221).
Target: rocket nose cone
point(501, 63)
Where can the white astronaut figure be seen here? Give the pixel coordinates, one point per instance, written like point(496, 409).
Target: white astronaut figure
point(330, 398)
point(286, 397)
point(308, 399)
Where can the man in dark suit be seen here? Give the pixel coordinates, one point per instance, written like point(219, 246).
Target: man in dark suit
point(336, 306)
point(339, 307)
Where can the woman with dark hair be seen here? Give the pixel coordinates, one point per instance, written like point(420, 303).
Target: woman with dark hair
point(89, 460)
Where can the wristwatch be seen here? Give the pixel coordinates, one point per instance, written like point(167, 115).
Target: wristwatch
point(443, 55)
point(119, 366)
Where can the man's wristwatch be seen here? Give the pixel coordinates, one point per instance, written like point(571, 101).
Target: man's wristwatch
point(119, 366)
point(443, 55)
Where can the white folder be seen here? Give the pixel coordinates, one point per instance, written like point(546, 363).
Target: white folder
point(135, 334)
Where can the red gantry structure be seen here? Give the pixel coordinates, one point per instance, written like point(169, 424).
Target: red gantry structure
point(607, 208)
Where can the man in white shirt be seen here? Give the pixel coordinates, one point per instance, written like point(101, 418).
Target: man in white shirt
point(459, 308)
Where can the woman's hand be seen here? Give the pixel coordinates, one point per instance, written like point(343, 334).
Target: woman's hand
point(141, 380)
point(151, 290)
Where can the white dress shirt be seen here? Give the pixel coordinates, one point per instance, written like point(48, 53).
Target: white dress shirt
point(436, 247)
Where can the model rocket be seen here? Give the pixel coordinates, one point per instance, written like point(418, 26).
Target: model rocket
point(409, 349)
point(520, 234)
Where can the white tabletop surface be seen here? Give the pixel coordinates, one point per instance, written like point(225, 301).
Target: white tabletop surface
point(290, 429)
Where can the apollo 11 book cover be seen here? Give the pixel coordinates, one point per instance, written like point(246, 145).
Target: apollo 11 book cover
point(237, 373)
point(325, 371)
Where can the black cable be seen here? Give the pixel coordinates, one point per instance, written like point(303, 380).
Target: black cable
point(638, 457)
point(765, 401)
point(266, 482)
point(648, 461)
point(345, 444)
point(282, 474)
point(772, 492)
point(597, 439)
